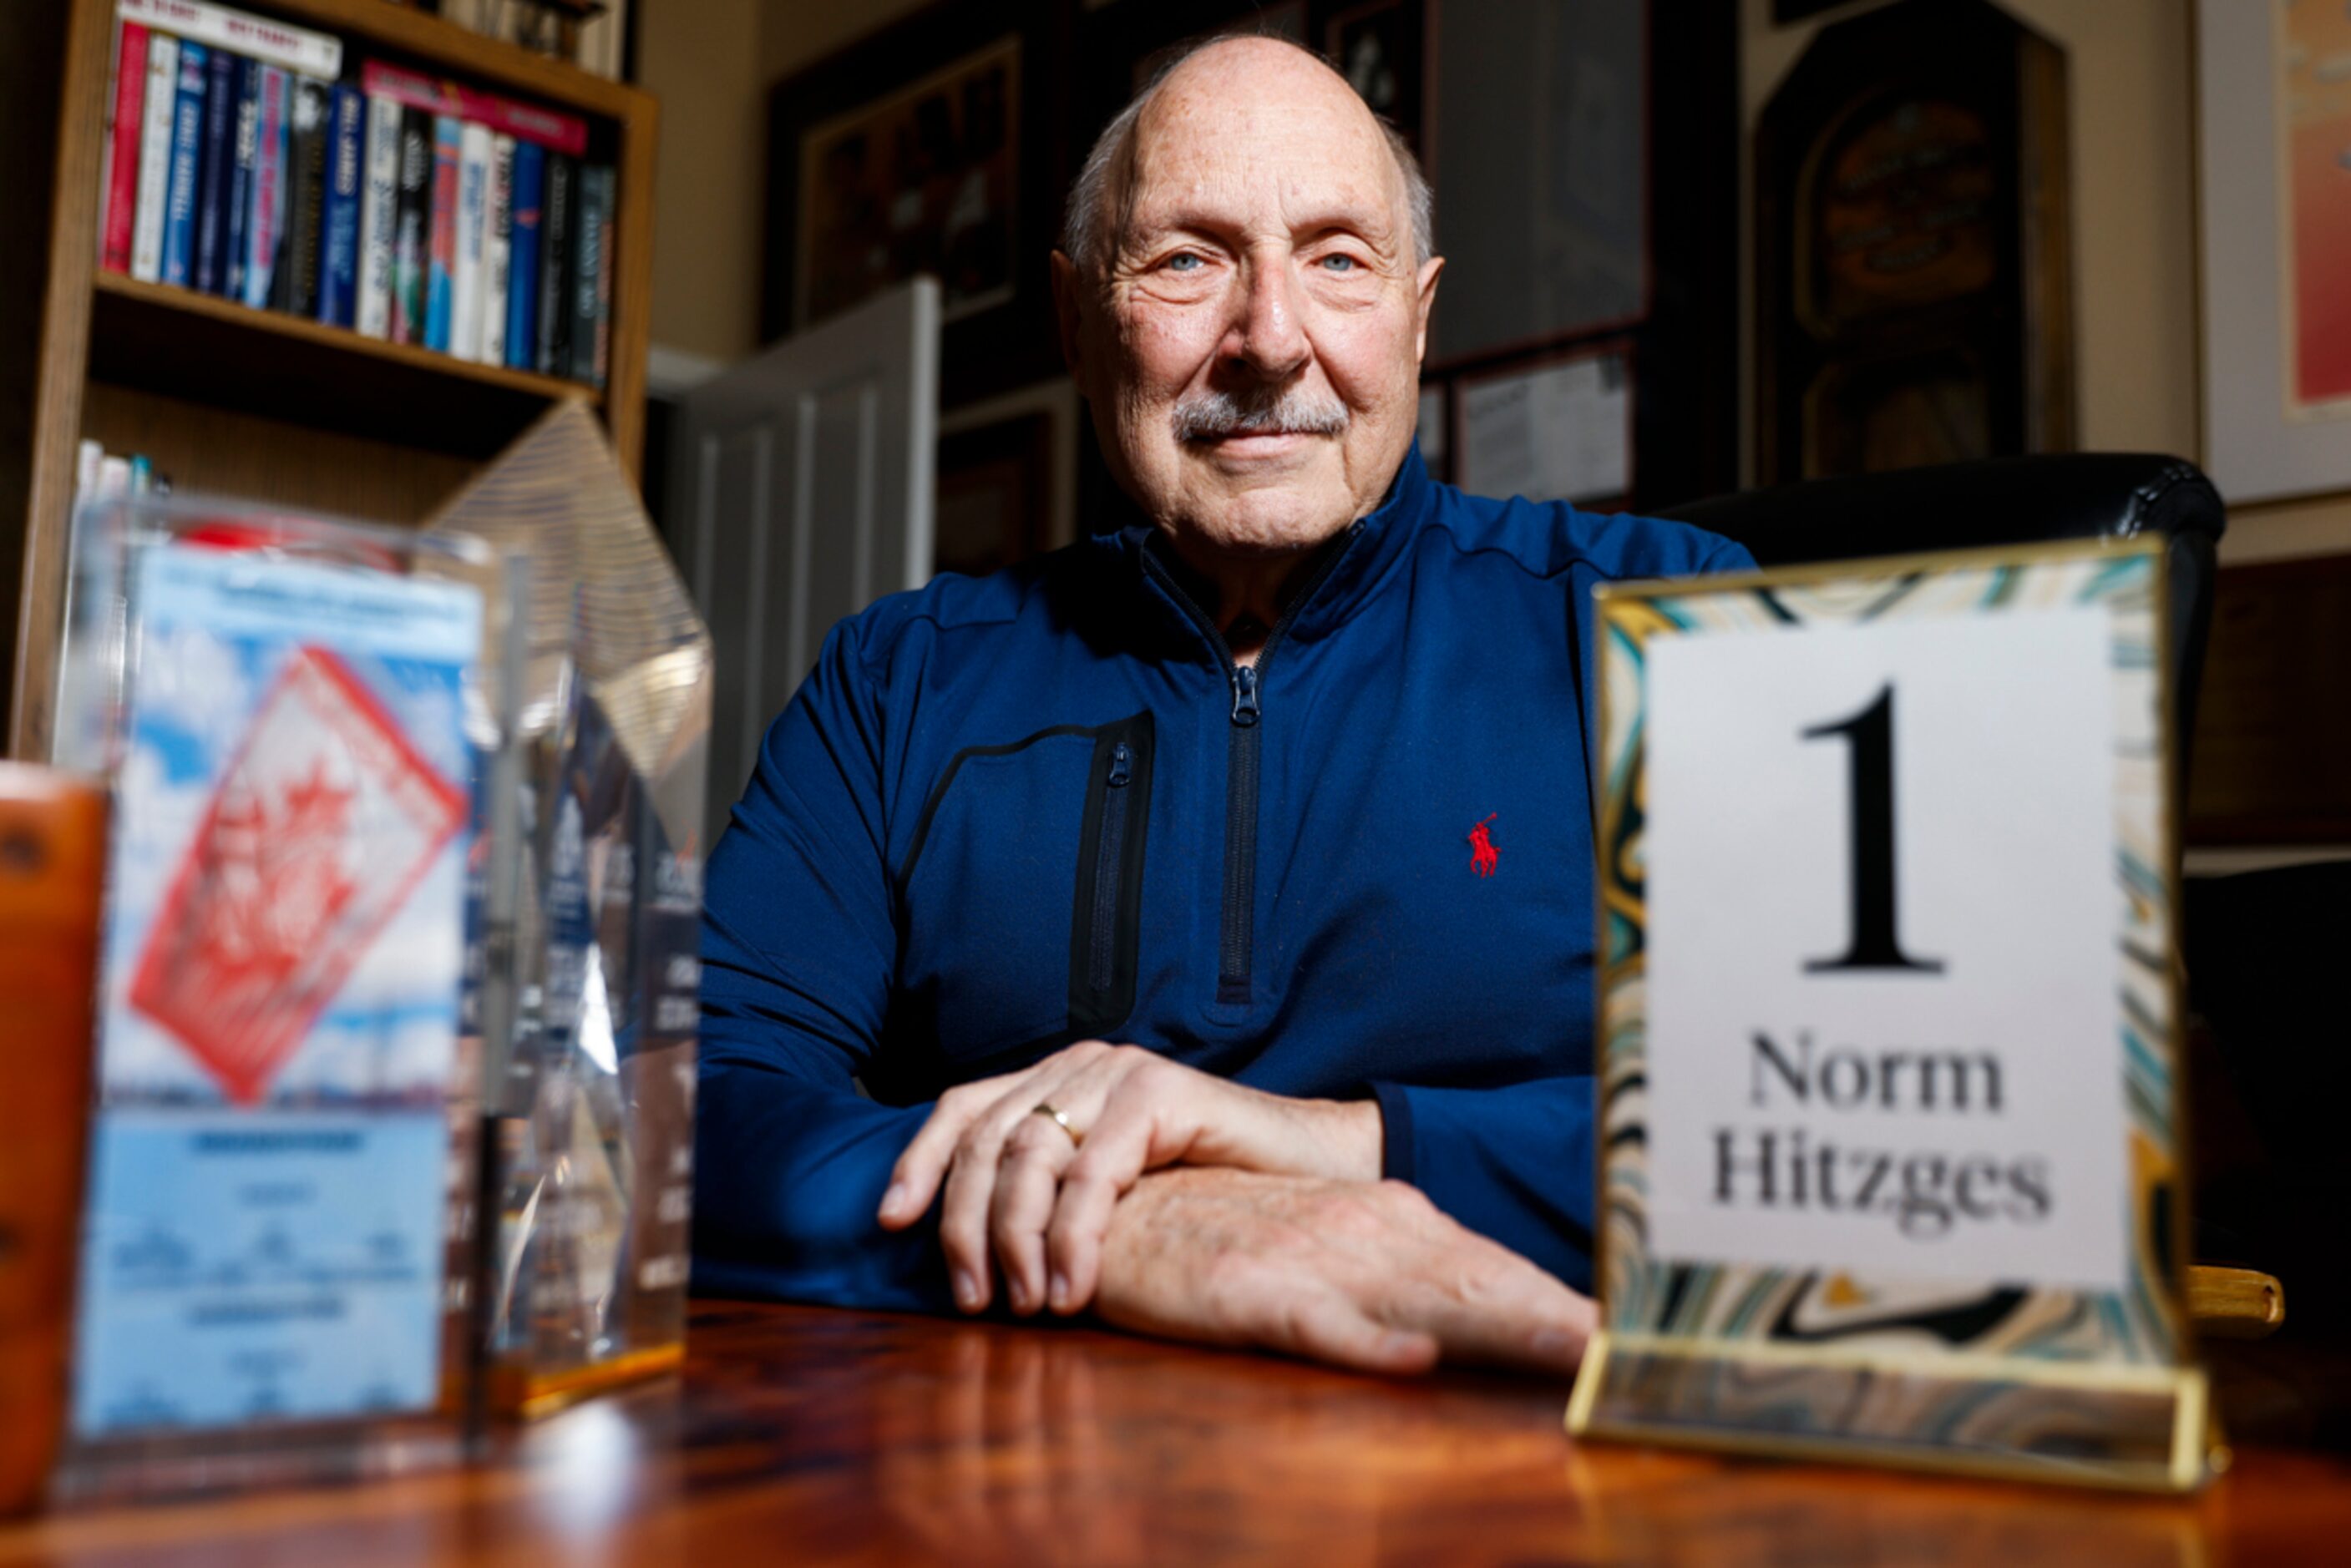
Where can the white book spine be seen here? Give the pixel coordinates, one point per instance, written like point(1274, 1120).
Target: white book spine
point(114, 478)
point(155, 157)
point(497, 250)
point(87, 458)
point(473, 203)
point(240, 32)
point(379, 201)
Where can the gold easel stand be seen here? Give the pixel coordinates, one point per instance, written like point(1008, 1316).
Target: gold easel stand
point(2135, 1427)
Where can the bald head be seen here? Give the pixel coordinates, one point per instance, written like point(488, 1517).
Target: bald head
point(1235, 83)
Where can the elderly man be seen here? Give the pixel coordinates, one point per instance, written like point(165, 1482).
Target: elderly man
point(1285, 794)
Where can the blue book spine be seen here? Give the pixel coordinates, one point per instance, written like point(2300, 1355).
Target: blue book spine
point(441, 274)
point(220, 145)
point(236, 205)
point(339, 240)
point(522, 266)
point(187, 166)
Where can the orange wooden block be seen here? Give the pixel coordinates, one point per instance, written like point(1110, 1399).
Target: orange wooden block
point(52, 855)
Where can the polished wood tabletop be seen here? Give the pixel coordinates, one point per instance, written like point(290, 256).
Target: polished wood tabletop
point(806, 1436)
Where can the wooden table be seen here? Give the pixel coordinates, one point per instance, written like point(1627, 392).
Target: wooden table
point(806, 1436)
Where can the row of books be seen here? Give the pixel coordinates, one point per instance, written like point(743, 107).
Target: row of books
point(99, 475)
point(247, 158)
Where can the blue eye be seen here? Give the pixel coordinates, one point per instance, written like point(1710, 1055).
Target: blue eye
point(1340, 263)
point(1183, 261)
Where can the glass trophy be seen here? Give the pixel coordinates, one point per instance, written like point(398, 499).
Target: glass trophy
point(295, 718)
point(591, 979)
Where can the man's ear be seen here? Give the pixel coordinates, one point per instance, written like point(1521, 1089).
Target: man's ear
point(1066, 284)
point(1429, 270)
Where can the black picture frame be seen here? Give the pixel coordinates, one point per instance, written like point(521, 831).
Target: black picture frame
point(1684, 344)
point(1003, 345)
point(994, 493)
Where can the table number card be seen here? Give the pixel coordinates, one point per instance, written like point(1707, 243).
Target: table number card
point(1891, 1164)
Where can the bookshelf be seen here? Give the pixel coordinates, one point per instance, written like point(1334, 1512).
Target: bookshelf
point(276, 407)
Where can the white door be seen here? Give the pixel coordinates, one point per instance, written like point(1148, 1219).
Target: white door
point(802, 493)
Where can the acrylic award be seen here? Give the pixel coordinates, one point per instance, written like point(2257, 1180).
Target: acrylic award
point(1891, 1159)
point(293, 716)
point(593, 981)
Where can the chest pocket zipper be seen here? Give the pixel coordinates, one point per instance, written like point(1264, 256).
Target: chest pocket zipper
point(1108, 859)
point(1107, 919)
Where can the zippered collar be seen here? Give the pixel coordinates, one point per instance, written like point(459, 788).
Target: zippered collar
point(1338, 587)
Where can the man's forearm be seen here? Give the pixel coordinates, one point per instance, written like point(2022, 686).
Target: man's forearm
point(787, 1173)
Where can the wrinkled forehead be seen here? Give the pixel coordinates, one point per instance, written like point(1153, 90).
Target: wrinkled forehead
point(1214, 152)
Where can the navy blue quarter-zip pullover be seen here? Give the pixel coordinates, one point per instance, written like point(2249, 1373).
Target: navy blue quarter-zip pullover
point(1010, 813)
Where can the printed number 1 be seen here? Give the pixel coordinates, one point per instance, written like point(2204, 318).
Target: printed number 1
point(1875, 941)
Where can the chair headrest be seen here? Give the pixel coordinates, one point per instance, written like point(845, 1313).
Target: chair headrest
point(1964, 505)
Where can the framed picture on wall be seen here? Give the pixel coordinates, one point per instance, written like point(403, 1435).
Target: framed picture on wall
point(922, 179)
point(933, 146)
point(1912, 245)
point(1008, 478)
point(2274, 85)
point(993, 506)
point(1585, 156)
point(1557, 428)
point(1539, 147)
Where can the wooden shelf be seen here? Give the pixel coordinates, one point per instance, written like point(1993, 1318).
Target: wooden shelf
point(396, 29)
point(159, 338)
point(213, 450)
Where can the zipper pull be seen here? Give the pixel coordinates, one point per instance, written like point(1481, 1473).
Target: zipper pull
point(1245, 697)
point(1120, 760)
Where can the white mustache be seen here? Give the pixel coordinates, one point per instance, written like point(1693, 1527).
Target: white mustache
point(1210, 416)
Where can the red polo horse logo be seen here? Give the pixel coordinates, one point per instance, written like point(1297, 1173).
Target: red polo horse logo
point(1482, 854)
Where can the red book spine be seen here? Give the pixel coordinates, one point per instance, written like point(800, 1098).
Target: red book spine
point(563, 132)
point(442, 244)
point(122, 177)
point(548, 128)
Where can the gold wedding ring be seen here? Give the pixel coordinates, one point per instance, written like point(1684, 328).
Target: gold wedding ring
point(1052, 1113)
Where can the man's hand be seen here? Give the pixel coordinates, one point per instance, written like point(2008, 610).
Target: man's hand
point(1041, 1199)
point(1366, 1274)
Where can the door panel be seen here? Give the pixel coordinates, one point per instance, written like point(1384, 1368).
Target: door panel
point(736, 483)
point(803, 485)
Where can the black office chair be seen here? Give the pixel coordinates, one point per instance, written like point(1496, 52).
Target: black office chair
point(2002, 501)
